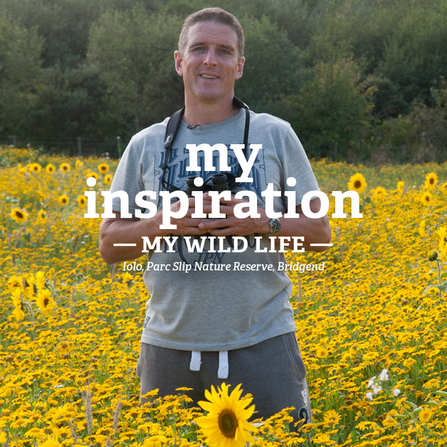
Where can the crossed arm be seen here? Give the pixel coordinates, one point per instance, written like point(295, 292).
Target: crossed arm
point(131, 230)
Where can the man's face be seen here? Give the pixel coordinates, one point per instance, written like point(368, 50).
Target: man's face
point(210, 62)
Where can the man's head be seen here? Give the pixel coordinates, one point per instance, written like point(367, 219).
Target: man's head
point(212, 15)
point(210, 58)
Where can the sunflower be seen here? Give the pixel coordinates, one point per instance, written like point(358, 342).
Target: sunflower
point(19, 215)
point(79, 164)
point(425, 415)
point(430, 181)
point(50, 168)
point(226, 424)
point(155, 441)
point(51, 443)
point(108, 179)
point(82, 201)
point(426, 198)
point(42, 215)
point(357, 183)
point(103, 168)
point(18, 313)
point(331, 417)
point(379, 192)
point(45, 302)
point(63, 199)
point(64, 167)
point(442, 233)
point(89, 174)
point(322, 352)
point(34, 167)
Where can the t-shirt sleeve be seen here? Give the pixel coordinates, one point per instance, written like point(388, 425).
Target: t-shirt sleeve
point(296, 165)
point(128, 177)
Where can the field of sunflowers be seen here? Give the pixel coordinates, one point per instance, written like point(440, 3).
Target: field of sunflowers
point(371, 326)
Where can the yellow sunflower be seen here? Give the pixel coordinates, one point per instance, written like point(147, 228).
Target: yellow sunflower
point(82, 201)
point(42, 215)
point(34, 167)
point(425, 415)
point(19, 215)
point(63, 199)
point(426, 198)
point(51, 443)
point(379, 192)
point(226, 424)
point(155, 441)
point(50, 168)
point(322, 352)
point(357, 183)
point(103, 168)
point(442, 233)
point(45, 302)
point(430, 181)
point(108, 179)
point(64, 167)
point(79, 164)
point(89, 174)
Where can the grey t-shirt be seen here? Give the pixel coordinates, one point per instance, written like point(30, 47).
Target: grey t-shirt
point(204, 310)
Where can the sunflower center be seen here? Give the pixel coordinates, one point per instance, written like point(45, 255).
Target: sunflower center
point(45, 302)
point(432, 180)
point(357, 184)
point(227, 423)
point(19, 215)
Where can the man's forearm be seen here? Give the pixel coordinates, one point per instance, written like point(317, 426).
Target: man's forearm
point(129, 231)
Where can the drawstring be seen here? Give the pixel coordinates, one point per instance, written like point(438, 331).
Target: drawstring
point(195, 361)
point(222, 372)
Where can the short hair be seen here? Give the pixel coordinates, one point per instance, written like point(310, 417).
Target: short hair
point(218, 15)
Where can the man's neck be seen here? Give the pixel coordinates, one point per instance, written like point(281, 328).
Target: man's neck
point(203, 113)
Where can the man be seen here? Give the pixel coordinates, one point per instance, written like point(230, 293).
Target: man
point(206, 324)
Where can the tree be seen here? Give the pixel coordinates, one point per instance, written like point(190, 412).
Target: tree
point(331, 110)
point(133, 52)
point(271, 67)
point(20, 76)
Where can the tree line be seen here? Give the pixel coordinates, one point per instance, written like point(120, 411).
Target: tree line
point(357, 79)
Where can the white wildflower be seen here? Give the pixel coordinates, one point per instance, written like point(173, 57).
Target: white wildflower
point(396, 392)
point(383, 375)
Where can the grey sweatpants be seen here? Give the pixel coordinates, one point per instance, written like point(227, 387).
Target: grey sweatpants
point(272, 371)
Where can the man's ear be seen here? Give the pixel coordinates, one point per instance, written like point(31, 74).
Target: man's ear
point(240, 68)
point(178, 62)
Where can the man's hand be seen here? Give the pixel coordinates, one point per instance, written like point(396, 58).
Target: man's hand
point(313, 230)
point(231, 225)
point(187, 225)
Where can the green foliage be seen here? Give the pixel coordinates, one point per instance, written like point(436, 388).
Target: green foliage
point(331, 110)
point(272, 62)
point(354, 77)
point(20, 74)
point(416, 53)
point(133, 53)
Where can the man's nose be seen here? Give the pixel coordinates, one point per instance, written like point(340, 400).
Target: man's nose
point(210, 58)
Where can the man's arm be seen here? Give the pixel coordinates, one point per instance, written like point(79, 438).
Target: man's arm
point(132, 230)
point(313, 230)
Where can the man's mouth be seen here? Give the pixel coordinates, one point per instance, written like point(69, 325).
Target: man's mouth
point(209, 76)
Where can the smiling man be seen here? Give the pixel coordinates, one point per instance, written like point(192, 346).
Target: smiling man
point(206, 326)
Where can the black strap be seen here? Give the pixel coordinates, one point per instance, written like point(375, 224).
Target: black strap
point(174, 124)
